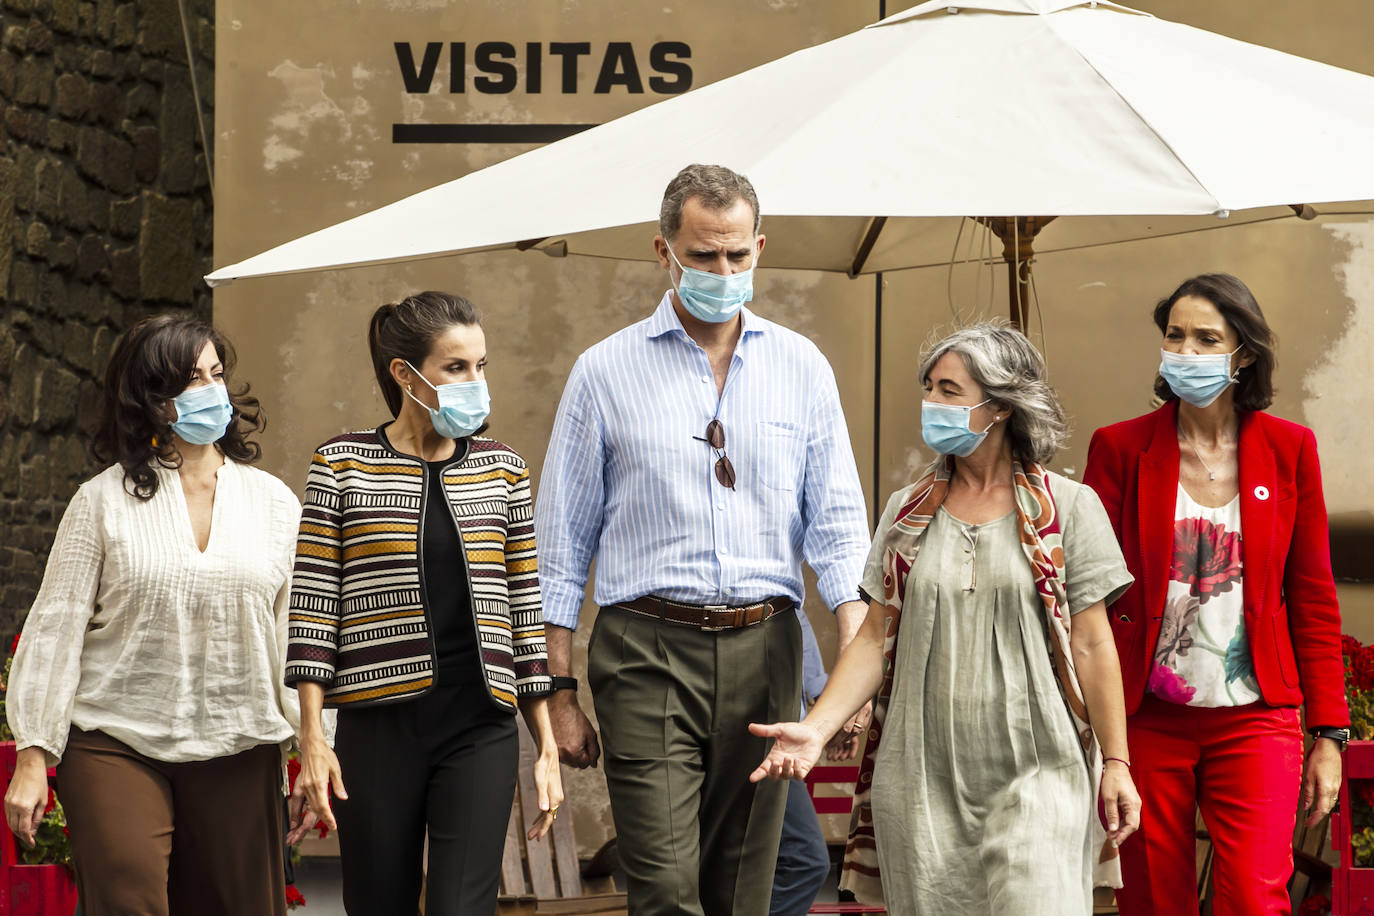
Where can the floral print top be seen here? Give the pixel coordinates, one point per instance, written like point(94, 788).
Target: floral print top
point(1203, 657)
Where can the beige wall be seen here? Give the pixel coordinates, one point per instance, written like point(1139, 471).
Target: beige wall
point(307, 93)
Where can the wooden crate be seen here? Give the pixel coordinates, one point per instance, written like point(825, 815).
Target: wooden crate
point(1352, 889)
point(29, 890)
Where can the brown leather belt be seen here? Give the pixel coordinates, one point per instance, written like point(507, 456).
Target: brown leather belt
point(706, 617)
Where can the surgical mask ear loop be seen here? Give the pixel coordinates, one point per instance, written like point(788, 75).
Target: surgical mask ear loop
point(672, 254)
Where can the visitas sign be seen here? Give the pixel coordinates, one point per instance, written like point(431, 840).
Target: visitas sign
point(533, 67)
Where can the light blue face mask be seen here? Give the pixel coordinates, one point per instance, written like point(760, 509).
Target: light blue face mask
point(714, 297)
point(944, 427)
point(203, 414)
point(463, 406)
point(1198, 378)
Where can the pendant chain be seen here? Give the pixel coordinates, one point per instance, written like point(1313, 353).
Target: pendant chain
point(1198, 455)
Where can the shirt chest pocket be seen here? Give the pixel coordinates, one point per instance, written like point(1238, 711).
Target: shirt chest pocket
point(780, 455)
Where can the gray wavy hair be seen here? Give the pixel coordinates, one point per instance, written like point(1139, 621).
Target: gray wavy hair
point(1012, 373)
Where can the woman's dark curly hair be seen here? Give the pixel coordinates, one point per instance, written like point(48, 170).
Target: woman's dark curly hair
point(153, 363)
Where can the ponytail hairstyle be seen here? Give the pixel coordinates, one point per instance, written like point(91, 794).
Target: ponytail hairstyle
point(152, 364)
point(407, 330)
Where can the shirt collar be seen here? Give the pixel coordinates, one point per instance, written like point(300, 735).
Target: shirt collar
point(664, 320)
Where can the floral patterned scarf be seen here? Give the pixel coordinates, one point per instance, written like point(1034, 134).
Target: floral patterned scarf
point(1042, 542)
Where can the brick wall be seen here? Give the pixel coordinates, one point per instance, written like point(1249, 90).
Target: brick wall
point(105, 216)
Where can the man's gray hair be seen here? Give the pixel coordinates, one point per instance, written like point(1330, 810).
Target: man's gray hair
point(714, 185)
point(1012, 373)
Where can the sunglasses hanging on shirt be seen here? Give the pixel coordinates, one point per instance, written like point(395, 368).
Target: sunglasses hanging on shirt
point(715, 437)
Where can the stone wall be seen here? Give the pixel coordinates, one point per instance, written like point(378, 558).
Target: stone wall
point(105, 216)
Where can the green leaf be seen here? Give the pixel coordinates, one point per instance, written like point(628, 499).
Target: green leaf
point(1238, 662)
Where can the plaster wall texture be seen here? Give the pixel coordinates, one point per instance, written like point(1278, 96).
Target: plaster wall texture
point(307, 94)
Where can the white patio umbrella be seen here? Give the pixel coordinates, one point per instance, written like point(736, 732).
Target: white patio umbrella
point(867, 151)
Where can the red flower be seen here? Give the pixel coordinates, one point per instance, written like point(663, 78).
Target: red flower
point(1349, 646)
point(293, 769)
point(294, 898)
point(52, 800)
point(1316, 905)
point(323, 828)
point(14, 646)
point(1362, 667)
point(1206, 556)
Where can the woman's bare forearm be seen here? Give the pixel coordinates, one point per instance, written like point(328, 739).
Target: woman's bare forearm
point(858, 674)
point(311, 695)
point(1099, 675)
point(536, 713)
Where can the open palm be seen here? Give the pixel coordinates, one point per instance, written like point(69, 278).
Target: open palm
point(796, 748)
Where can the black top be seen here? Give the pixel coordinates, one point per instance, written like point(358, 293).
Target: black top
point(448, 594)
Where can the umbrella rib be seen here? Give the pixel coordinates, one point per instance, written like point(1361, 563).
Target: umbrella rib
point(1143, 120)
point(875, 227)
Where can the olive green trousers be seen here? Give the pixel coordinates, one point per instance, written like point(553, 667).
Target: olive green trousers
point(674, 703)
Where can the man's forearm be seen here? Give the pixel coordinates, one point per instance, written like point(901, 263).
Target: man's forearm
point(849, 617)
point(558, 643)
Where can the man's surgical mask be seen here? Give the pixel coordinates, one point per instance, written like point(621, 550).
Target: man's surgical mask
point(463, 406)
point(1198, 378)
point(714, 298)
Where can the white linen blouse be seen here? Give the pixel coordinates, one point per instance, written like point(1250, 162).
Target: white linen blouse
point(138, 634)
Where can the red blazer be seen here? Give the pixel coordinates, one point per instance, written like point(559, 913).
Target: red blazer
point(1291, 614)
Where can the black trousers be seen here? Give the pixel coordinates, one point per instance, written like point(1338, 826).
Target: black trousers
point(444, 762)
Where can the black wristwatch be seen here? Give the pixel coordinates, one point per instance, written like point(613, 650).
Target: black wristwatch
point(1339, 735)
point(564, 683)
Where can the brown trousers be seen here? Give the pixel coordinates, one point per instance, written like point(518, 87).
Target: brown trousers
point(173, 839)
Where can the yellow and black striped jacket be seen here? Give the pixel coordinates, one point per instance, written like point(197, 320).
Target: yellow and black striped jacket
point(358, 619)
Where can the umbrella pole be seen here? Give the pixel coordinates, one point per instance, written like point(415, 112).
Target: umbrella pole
point(1018, 245)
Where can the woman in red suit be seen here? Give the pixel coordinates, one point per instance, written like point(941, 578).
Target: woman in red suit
point(1232, 623)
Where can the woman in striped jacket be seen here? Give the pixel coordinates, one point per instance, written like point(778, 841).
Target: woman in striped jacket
point(415, 611)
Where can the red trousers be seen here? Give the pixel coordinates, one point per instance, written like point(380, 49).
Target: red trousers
point(1243, 767)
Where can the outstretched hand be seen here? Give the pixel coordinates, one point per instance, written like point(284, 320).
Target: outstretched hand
point(796, 748)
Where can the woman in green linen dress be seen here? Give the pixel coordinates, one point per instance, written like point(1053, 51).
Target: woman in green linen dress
point(999, 706)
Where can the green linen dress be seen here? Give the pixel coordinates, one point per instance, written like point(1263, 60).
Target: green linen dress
point(981, 796)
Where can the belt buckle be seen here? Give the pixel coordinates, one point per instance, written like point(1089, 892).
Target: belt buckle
point(711, 609)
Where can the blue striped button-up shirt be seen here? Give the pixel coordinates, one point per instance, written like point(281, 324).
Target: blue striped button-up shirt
point(628, 479)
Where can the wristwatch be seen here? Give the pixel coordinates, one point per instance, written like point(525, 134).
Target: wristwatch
point(1339, 735)
point(564, 683)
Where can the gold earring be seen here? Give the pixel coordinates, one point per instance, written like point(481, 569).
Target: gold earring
point(410, 388)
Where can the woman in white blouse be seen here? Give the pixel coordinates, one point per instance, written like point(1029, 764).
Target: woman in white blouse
point(149, 669)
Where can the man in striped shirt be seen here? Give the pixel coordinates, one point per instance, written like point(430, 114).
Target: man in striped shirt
point(700, 455)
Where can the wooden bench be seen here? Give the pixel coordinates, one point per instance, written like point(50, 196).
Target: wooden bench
point(544, 876)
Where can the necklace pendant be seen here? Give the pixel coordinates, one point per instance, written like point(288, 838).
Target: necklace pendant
point(1211, 476)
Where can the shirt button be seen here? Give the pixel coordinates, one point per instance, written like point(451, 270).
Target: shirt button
point(706, 378)
point(720, 507)
point(729, 591)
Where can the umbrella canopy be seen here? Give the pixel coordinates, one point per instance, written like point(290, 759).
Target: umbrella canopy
point(867, 151)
